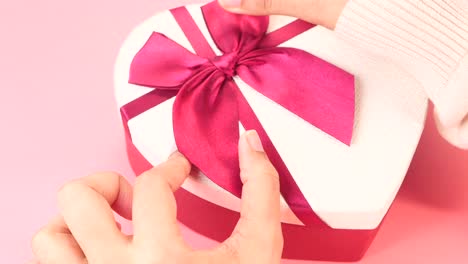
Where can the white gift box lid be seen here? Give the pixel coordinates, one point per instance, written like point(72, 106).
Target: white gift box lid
point(348, 187)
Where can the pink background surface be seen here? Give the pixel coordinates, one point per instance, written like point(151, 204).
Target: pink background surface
point(58, 121)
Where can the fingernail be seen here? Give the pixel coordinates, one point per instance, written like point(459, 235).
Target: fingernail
point(254, 141)
point(231, 3)
point(175, 154)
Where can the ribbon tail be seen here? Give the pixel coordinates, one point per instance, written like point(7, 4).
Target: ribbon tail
point(313, 89)
point(289, 188)
point(206, 129)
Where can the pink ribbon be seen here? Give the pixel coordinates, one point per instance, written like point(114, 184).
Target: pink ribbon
point(209, 105)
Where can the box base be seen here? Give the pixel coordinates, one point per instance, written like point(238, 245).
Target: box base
point(300, 242)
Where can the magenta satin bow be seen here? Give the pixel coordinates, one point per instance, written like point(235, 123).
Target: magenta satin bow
point(207, 105)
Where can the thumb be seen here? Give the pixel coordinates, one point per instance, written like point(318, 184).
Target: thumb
point(325, 13)
point(259, 227)
point(261, 191)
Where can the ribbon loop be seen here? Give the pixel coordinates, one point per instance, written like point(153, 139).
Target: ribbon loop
point(163, 63)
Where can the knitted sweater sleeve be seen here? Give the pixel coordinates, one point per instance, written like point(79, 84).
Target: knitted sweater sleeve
point(428, 39)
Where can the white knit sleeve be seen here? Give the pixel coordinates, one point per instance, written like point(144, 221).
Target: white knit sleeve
point(427, 38)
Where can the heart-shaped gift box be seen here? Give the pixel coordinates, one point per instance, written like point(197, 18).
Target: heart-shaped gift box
point(341, 128)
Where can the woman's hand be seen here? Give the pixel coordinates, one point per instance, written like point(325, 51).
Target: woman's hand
point(86, 231)
point(319, 12)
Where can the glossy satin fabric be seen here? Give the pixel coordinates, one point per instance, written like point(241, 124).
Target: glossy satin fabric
point(209, 105)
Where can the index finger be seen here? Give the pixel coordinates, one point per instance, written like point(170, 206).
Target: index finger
point(154, 205)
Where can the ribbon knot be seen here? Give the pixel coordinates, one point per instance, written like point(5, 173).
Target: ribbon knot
point(227, 63)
